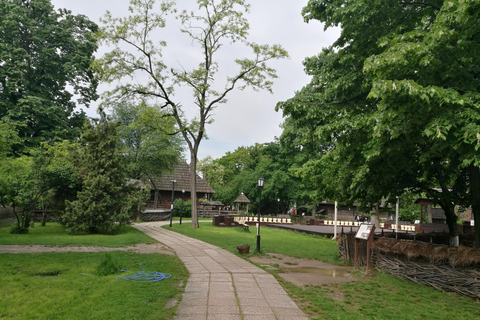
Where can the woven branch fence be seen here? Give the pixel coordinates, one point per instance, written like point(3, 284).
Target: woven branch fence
point(463, 281)
point(154, 216)
point(447, 269)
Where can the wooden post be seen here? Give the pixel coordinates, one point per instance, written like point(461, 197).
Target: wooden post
point(369, 246)
point(356, 254)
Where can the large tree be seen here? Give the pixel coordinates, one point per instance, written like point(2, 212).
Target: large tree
point(45, 57)
point(432, 75)
point(386, 97)
point(210, 28)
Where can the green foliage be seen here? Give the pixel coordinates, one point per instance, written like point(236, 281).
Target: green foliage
point(8, 138)
point(18, 229)
point(108, 266)
point(278, 162)
point(178, 204)
point(106, 202)
point(20, 187)
point(44, 54)
point(407, 209)
point(385, 100)
point(146, 146)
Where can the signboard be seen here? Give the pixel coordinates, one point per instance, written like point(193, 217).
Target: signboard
point(364, 231)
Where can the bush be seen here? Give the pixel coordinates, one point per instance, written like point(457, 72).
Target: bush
point(108, 266)
point(187, 208)
point(16, 229)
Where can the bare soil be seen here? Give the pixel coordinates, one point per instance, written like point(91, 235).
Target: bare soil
point(139, 248)
point(305, 272)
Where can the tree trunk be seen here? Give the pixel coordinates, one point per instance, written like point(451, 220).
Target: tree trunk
point(193, 187)
point(19, 225)
point(474, 177)
point(452, 223)
point(44, 215)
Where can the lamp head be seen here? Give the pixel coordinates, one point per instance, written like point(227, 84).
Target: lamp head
point(261, 181)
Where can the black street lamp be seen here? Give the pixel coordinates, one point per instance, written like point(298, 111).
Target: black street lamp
point(172, 210)
point(181, 212)
point(278, 206)
point(261, 181)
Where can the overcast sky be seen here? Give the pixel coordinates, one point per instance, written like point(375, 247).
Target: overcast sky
point(248, 117)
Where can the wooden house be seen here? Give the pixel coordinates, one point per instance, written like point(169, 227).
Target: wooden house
point(161, 188)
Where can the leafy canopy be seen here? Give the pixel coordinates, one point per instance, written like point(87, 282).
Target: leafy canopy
point(45, 57)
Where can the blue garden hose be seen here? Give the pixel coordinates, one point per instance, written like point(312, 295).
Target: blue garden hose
point(143, 276)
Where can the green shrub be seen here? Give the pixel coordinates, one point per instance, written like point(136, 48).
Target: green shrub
point(108, 266)
point(16, 229)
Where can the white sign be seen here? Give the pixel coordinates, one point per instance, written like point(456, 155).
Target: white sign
point(364, 231)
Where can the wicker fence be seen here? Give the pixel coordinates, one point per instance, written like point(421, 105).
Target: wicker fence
point(445, 268)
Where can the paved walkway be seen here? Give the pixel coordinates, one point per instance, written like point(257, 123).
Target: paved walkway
point(221, 285)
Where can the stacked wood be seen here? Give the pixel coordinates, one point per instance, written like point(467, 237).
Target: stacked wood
point(436, 254)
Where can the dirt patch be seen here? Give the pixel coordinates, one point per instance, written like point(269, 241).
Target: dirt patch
point(139, 248)
point(303, 272)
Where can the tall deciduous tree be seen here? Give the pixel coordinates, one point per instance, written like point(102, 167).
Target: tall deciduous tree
point(44, 55)
point(212, 26)
point(396, 98)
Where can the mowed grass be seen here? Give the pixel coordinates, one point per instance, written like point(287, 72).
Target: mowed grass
point(55, 234)
point(64, 285)
point(292, 244)
point(380, 297)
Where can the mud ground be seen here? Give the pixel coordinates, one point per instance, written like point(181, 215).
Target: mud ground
point(304, 272)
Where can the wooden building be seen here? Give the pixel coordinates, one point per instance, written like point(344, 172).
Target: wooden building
point(161, 188)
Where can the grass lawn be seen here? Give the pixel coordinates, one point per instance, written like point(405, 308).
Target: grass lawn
point(55, 234)
point(64, 285)
point(381, 297)
point(60, 286)
point(289, 243)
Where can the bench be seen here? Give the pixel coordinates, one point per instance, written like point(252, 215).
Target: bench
point(241, 223)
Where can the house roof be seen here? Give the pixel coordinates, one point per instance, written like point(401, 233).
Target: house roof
point(242, 199)
point(423, 201)
point(181, 173)
point(211, 203)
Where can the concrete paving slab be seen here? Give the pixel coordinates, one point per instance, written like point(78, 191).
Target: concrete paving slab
point(222, 285)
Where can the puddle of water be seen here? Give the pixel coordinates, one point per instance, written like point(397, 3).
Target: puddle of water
point(324, 272)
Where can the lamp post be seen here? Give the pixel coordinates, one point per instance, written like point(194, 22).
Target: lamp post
point(181, 212)
point(278, 206)
point(172, 210)
point(261, 181)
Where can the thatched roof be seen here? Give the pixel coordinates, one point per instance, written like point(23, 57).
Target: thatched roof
point(211, 203)
point(455, 256)
point(181, 173)
point(241, 199)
